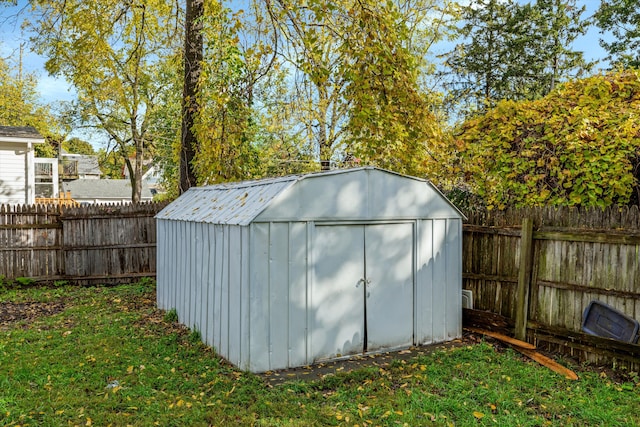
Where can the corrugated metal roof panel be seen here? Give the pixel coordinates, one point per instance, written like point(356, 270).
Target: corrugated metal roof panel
point(232, 203)
point(240, 203)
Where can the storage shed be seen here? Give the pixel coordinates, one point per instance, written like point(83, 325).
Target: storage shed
point(287, 272)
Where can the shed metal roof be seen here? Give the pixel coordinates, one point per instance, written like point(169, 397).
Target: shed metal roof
point(241, 202)
point(233, 203)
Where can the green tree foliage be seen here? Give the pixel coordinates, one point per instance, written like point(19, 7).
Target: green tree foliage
point(223, 125)
point(578, 146)
point(356, 73)
point(111, 163)
point(515, 51)
point(622, 19)
point(390, 119)
point(235, 140)
point(109, 51)
point(20, 106)
point(78, 146)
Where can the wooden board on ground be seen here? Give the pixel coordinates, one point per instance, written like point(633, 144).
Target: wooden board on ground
point(502, 337)
point(549, 363)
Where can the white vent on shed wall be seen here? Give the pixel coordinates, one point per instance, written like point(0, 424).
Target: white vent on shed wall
point(467, 298)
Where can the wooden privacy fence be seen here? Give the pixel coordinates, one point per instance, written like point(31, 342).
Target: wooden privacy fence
point(540, 269)
point(84, 245)
point(531, 271)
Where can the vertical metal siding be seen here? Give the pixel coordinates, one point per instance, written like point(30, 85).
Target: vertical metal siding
point(259, 299)
point(278, 294)
point(212, 321)
point(453, 250)
point(298, 269)
point(243, 333)
point(424, 282)
point(224, 294)
point(203, 281)
point(161, 272)
point(235, 281)
point(439, 280)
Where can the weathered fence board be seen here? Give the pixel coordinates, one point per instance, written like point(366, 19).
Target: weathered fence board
point(30, 239)
point(577, 256)
point(87, 244)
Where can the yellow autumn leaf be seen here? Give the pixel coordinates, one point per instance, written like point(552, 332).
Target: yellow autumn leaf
point(478, 415)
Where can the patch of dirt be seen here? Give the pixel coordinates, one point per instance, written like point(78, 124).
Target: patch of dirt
point(12, 312)
point(383, 360)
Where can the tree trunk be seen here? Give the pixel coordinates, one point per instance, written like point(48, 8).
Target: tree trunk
point(193, 53)
point(136, 182)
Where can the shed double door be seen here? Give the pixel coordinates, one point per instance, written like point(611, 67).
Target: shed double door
point(362, 292)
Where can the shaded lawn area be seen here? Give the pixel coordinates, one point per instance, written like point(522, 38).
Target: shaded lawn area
point(107, 356)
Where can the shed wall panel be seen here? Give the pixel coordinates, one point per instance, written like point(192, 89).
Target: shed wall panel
point(195, 243)
point(244, 299)
point(205, 272)
point(453, 267)
point(438, 320)
point(235, 283)
point(174, 272)
point(161, 269)
point(424, 282)
point(259, 299)
point(217, 285)
point(212, 321)
point(182, 267)
point(298, 270)
point(278, 294)
point(224, 294)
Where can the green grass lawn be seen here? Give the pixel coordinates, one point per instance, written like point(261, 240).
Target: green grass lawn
point(106, 356)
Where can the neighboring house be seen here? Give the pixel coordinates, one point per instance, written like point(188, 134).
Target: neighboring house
point(100, 191)
point(152, 176)
point(79, 166)
point(46, 174)
point(17, 164)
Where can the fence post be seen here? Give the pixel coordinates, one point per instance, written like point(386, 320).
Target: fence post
point(524, 278)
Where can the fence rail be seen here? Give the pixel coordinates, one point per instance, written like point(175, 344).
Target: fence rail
point(84, 244)
point(543, 282)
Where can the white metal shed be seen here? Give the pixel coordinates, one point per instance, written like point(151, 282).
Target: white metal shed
point(286, 272)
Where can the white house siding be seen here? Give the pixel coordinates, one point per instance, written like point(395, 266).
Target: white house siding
point(13, 181)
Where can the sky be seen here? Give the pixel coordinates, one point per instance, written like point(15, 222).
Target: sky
point(53, 89)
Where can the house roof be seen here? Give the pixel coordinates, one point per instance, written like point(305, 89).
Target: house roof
point(87, 164)
point(103, 189)
point(356, 194)
point(20, 134)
